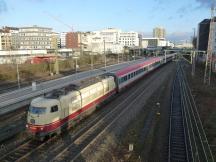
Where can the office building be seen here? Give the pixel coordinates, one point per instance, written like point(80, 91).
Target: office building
point(35, 37)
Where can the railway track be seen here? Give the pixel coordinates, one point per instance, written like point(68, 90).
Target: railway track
point(177, 136)
point(28, 151)
point(80, 149)
point(57, 148)
point(81, 141)
point(187, 139)
point(11, 124)
point(74, 150)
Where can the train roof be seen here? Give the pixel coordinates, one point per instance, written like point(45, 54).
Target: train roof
point(42, 102)
point(89, 81)
point(136, 66)
point(55, 94)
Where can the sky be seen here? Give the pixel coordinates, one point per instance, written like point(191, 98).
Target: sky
point(178, 17)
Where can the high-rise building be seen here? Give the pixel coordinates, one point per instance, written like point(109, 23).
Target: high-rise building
point(203, 35)
point(159, 32)
point(35, 37)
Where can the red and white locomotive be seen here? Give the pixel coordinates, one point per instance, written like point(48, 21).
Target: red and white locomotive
point(62, 108)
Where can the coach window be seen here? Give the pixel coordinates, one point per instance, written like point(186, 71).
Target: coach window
point(122, 80)
point(54, 108)
point(125, 78)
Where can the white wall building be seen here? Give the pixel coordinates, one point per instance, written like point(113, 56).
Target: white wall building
point(10, 57)
point(129, 39)
point(107, 42)
point(63, 39)
point(113, 40)
point(184, 45)
point(156, 42)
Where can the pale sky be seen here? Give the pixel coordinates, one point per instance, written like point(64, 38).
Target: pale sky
point(178, 17)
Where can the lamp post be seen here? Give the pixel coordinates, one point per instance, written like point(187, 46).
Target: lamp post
point(104, 54)
point(193, 55)
point(18, 76)
point(134, 54)
point(165, 56)
point(92, 65)
point(118, 58)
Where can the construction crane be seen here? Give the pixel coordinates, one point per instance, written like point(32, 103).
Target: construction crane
point(208, 66)
point(70, 27)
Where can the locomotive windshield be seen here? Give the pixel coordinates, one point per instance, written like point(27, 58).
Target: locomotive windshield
point(37, 110)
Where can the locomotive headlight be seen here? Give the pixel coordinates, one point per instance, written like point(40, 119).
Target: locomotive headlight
point(41, 128)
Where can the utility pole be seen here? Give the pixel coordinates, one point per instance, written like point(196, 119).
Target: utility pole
point(92, 65)
point(193, 56)
point(18, 76)
point(165, 56)
point(134, 53)
point(104, 54)
point(208, 66)
point(193, 53)
point(56, 61)
point(81, 52)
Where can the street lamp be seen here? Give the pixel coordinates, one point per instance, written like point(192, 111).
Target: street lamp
point(91, 57)
point(18, 76)
point(118, 58)
point(104, 54)
point(133, 52)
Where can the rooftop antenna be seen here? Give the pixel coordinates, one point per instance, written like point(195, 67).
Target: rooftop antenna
point(208, 66)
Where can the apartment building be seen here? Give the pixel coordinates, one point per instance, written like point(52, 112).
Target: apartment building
point(8, 38)
point(35, 37)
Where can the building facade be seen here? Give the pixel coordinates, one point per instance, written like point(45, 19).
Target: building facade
point(109, 40)
point(129, 39)
point(159, 32)
point(203, 35)
point(55, 40)
point(8, 38)
point(156, 42)
point(35, 37)
point(72, 40)
point(63, 40)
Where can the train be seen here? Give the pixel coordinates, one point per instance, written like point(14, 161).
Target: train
point(63, 108)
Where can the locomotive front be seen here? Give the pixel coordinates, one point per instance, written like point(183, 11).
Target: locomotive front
point(42, 115)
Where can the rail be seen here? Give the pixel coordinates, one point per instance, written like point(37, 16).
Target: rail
point(202, 149)
point(195, 143)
